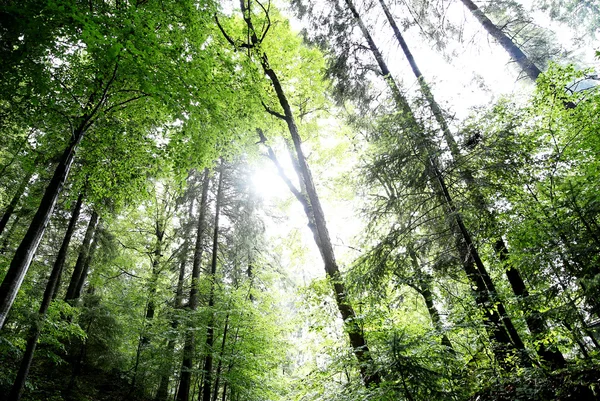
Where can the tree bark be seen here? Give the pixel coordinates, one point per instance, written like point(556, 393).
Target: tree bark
point(82, 259)
point(86, 267)
point(26, 250)
point(34, 333)
point(535, 322)
point(156, 268)
point(183, 393)
point(14, 201)
point(210, 331)
point(511, 48)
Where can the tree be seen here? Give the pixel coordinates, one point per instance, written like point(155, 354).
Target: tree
point(316, 216)
point(528, 67)
point(189, 345)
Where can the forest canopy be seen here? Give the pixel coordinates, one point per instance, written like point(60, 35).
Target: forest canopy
point(299, 200)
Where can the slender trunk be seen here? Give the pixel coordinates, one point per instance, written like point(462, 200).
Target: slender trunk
point(156, 269)
point(34, 333)
point(163, 386)
point(511, 48)
point(86, 266)
point(210, 331)
point(9, 234)
point(14, 201)
point(221, 354)
point(84, 250)
point(185, 382)
point(319, 228)
point(486, 295)
point(26, 250)
point(425, 89)
point(535, 322)
point(224, 395)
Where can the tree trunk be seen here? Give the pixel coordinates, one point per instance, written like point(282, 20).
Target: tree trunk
point(51, 287)
point(9, 234)
point(156, 269)
point(86, 266)
point(210, 331)
point(321, 234)
point(82, 259)
point(183, 393)
point(14, 201)
point(535, 322)
point(220, 364)
point(511, 48)
point(163, 386)
point(425, 89)
point(26, 250)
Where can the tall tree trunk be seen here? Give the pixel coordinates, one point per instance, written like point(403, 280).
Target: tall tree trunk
point(511, 48)
point(82, 258)
point(156, 256)
point(14, 201)
point(26, 250)
point(501, 327)
point(321, 233)
point(210, 330)
point(9, 234)
point(535, 322)
point(86, 266)
point(221, 354)
point(34, 333)
point(183, 393)
point(156, 269)
point(425, 89)
point(163, 386)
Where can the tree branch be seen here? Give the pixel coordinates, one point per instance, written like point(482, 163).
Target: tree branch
point(273, 112)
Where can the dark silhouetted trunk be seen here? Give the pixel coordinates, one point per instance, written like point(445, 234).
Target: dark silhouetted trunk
point(86, 266)
point(82, 259)
point(163, 386)
point(221, 355)
point(511, 48)
point(9, 234)
point(156, 269)
point(535, 322)
point(210, 330)
point(26, 250)
point(49, 293)
point(425, 89)
point(185, 382)
point(14, 202)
